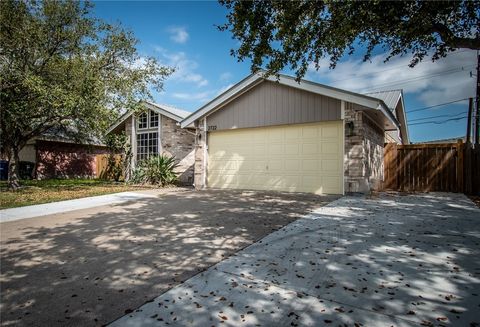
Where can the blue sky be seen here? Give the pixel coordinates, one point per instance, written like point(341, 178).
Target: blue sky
point(183, 35)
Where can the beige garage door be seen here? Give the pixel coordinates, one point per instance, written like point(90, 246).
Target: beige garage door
point(294, 158)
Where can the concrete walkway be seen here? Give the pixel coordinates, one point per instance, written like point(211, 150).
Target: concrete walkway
point(71, 205)
point(385, 261)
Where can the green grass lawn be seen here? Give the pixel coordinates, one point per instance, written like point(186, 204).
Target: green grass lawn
point(51, 190)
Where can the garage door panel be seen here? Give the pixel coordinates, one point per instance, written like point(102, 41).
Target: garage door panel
point(296, 158)
point(276, 165)
point(330, 165)
point(331, 182)
point(293, 134)
point(330, 148)
point(309, 148)
point(292, 149)
point(310, 132)
point(292, 165)
point(276, 149)
point(310, 165)
point(259, 150)
point(329, 132)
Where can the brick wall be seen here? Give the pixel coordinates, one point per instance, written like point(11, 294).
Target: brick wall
point(66, 160)
point(179, 142)
point(363, 161)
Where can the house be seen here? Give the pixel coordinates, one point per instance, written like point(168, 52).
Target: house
point(443, 141)
point(273, 133)
point(157, 131)
point(57, 154)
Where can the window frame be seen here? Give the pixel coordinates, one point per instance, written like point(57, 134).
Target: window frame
point(140, 121)
point(150, 121)
point(149, 146)
point(147, 124)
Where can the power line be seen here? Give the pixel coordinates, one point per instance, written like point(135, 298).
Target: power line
point(416, 79)
point(389, 69)
point(438, 116)
point(436, 105)
point(438, 122)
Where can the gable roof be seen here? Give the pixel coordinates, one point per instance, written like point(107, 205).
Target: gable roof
point(163, 109)
point(257, 78)
point(391, 99)
point(167, 109)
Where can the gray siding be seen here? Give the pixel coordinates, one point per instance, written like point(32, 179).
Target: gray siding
point(269, 104)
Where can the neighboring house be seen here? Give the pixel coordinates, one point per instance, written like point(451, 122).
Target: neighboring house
point(277, 134)
point(450, 140)
point(56, 154)
point(157, 131)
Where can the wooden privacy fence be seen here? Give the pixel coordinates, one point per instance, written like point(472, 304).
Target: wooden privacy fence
point(448, 167)
point(102, 164)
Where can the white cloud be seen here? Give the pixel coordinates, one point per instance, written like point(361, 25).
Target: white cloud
point(196, 96)
point(184, 67)
point(178, 34)
point(203, 96)
point(431, 82)
point(225, 76)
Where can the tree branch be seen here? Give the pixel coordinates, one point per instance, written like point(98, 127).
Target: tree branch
point(453, 41)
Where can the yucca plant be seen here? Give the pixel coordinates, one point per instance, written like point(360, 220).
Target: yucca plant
point(156, 170)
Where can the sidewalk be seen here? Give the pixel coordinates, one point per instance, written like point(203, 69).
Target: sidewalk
point(388, 261)
point(71, 205)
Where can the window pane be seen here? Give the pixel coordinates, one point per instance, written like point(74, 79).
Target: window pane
point(153, 119)
point(142, 121)
point(147, 144)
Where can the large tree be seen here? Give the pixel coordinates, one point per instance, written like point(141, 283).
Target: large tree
point(295, 34)
point(61, 68)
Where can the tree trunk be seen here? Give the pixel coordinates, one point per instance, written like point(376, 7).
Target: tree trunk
point(13, 169)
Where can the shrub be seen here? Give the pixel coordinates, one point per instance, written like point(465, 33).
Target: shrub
point(156, 170)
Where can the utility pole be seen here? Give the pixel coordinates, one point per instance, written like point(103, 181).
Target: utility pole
point(469, 121)
point(477, 111)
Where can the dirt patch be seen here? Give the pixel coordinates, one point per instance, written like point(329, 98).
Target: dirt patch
point(90, 267)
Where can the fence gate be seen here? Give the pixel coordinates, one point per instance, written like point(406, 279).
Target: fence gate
point(424, 167)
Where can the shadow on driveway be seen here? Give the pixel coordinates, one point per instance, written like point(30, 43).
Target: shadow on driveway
point(91, 266)
point(384, 261)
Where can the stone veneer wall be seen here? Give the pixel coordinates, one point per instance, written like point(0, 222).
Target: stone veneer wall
point(200, 154)
point(175, 141)
point(363, 158)
point(179, 142)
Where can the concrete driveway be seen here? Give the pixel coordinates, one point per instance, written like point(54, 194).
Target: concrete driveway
point(89, 267)
point(384, 261)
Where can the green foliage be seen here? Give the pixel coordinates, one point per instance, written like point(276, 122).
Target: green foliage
point(156, 170)
point(61, 68)
point(280, 34)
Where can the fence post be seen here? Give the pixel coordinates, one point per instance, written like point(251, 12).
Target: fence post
point(460, 166)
